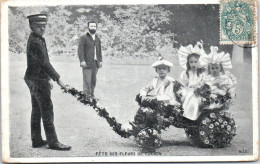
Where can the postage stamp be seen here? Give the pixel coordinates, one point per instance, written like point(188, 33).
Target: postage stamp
point(128, 81)
point(237, 22)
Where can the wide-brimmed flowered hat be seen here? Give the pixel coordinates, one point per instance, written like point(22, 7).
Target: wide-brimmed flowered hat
point(184, 52)
point(217, 58)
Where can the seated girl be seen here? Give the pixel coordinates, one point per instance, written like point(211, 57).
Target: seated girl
point(191, 78)
point(221, 82)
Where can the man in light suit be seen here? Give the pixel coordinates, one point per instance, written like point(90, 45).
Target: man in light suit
point(89, 52)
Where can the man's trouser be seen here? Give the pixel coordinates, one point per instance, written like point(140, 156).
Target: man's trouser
point(89, 80)
point(42, 108)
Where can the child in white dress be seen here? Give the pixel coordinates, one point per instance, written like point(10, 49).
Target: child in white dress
point(191, 78)
point(220, 81)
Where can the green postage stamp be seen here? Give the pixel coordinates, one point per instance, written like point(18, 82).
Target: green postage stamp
point(237, 22)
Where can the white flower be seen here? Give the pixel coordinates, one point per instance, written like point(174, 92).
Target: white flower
point(211, 126)
point(150, 110)
point(227, 115)
point(143, 133)
point(212, 115)
point(206, 141)
point(202, 133)
point(171, 119)
point(228, 127)
point(221, 113)
point(155, 132)
point(216, 123)
point(144, 109)
point(204, 122)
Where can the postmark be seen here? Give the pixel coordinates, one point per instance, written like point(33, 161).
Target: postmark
point(237, 22)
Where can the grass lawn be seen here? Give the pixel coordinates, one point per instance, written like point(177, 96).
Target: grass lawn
point(80, 126)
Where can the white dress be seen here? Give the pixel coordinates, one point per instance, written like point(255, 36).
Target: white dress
point(190, 102)
point(219, 85)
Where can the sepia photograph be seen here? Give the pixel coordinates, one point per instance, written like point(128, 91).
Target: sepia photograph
point(156, 81)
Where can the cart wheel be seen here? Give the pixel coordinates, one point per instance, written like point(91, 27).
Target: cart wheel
point(149, 139)
point(194, 138)
point(216, 129)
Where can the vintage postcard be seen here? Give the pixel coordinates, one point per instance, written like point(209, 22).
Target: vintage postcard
point(116, 81)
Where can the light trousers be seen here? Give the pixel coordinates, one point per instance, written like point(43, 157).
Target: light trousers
point(89, 80)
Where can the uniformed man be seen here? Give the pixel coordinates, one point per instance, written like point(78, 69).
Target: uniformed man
point(37, 77)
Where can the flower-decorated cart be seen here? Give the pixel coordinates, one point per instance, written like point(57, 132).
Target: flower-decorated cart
point(214, 128)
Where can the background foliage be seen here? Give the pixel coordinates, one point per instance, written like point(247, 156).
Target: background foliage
point(125, 30)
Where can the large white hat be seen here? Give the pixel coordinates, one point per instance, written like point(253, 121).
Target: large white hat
point(161, 61)
point(215, 57)
point(184, 52)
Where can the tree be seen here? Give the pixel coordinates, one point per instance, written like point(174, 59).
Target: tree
point(18, 26)
point(135, 31)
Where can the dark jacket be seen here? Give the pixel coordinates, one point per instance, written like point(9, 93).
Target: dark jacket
point(86, 50)
point(38, 64)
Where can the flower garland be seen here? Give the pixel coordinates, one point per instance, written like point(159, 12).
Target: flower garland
point(102, 112)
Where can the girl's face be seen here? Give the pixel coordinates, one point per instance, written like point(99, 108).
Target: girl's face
point(162, 70)
point(194, 63)
point(214, 69)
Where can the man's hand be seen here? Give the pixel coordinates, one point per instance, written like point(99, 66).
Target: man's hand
point(83, 64)
point(51, 85)
point(60, 83)
point(100, 64)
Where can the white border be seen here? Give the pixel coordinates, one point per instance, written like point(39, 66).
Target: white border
point(103, 2)
point(4, 82)
point(5, 90)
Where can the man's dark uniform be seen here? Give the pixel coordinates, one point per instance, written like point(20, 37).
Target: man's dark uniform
point(39, 72)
